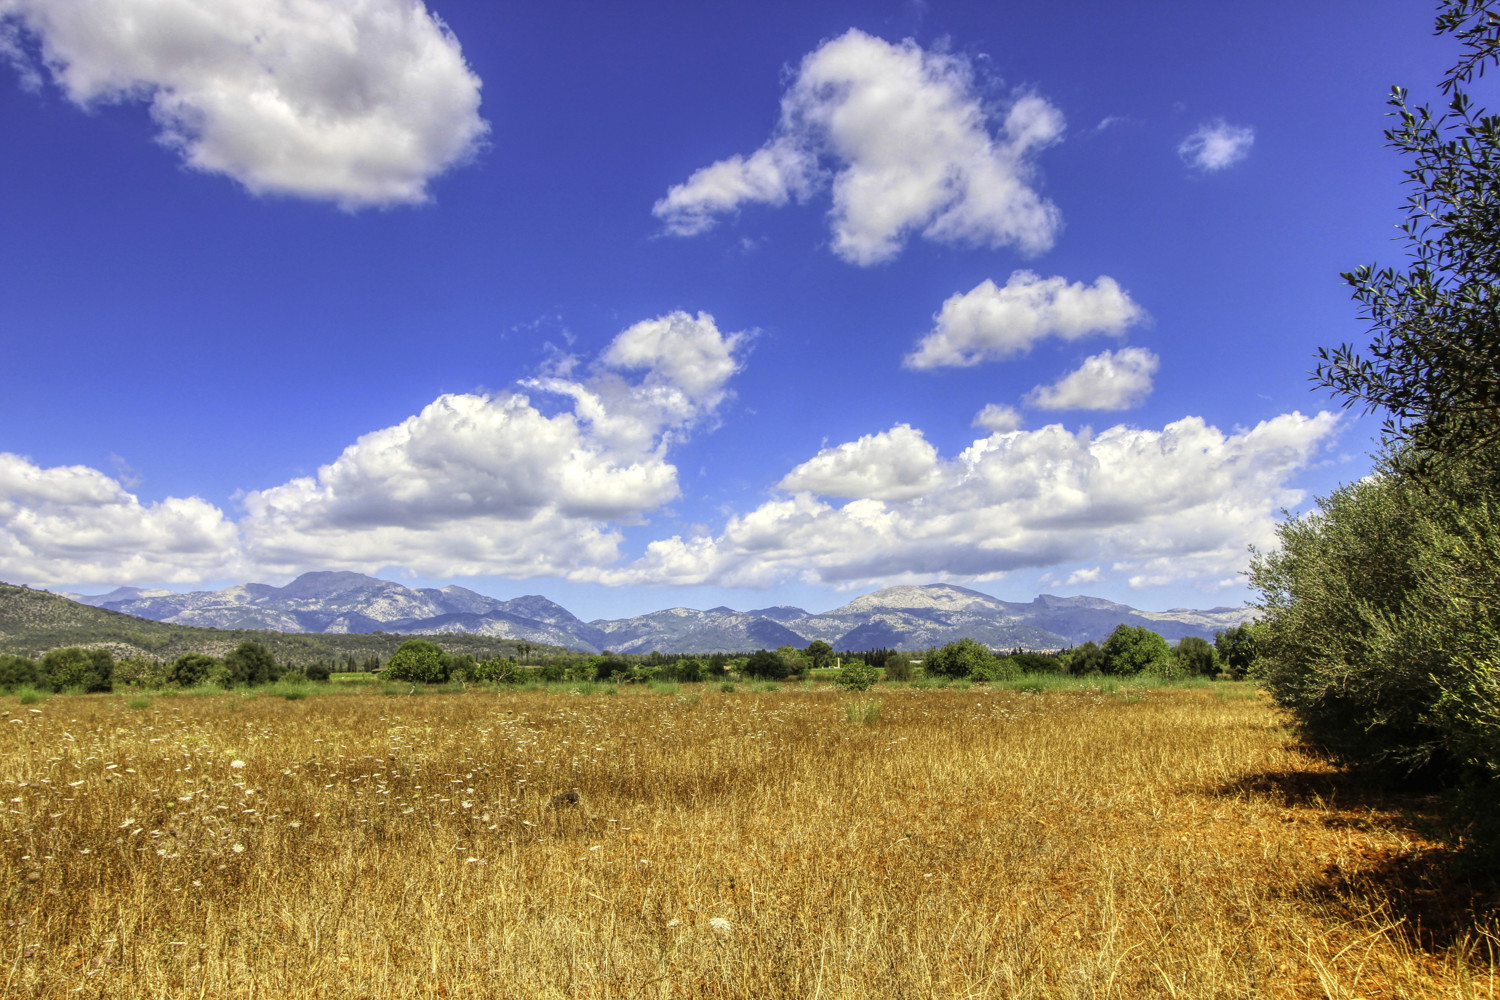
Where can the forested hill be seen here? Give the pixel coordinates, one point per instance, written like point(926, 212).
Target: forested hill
point(33, 621)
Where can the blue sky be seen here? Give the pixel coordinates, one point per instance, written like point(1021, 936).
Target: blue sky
point(643, 305)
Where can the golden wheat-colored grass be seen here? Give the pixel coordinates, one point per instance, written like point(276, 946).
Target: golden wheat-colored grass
point(1166, 843)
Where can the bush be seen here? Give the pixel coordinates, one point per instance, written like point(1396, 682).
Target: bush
point(1036, 663)
point(552, 672)
point(1236, 649)
point(1134, 649)
point(495, 671)
point(690, 671)
point(252, 663)
point(610, 666)
point(1085, 659)
point(75, 667)
point(141, 671)
point(418, 661)
point(898, 667)
point(999, 668)
point(192, 669)
point(318, 671)
point(1196, 657)
point(856, 675)
point(1381, 625)
point(957, 659)
point(17, 672)
point(766, 666)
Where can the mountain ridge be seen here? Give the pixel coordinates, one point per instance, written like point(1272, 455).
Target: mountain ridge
point(909, 617)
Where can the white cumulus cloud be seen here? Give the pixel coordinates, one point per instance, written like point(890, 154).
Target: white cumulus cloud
point(479, 484)
point(74, 524)
point(998, 418)
point(910, 146)
point(1217, 145)
point(1187, 499)
point(898, 464)
point(361, 103)
point(990, 322)
point(472, 485)
point(1113, 380)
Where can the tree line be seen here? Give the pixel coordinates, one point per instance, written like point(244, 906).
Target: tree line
point(1127, 651)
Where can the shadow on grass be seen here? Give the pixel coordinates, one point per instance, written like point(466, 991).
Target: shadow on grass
point(1438, 894)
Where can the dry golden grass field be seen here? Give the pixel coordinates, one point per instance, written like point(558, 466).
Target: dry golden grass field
point(961, 843)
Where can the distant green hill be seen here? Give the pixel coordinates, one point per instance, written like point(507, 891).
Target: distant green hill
point(34, 621)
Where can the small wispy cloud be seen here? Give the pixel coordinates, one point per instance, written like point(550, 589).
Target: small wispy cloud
point(1216, 145)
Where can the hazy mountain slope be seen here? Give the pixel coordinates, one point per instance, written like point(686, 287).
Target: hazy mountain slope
point(907, 617)
point(34, 621)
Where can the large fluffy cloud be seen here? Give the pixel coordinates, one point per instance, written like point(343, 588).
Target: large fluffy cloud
point(473, 485)
point(1188, 496)
point(1216, 145)
point(899, 464)
point(361, 103)
point(910, 145)
point(1114, 380)
point(990, 322)
point(492, 485)
point(73, 524)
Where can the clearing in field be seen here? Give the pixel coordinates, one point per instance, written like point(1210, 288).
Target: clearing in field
point(796, 843)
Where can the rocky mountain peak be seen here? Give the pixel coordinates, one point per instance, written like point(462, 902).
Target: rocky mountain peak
point(928, 597)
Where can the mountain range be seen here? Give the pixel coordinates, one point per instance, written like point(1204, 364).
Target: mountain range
point(908, 617)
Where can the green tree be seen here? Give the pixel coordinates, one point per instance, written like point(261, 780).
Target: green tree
point(957, 659)
point(1236, 649)
point(191, 669)
point(17, 671)
point(252, 663)
point(1433, 363)
point(820, 653)
point(1381, 610)
point(1134, 649)
point(766, 666)
point(1380, 626)
point(418, 661)
point(897, 666)
point(856, 675)
point(1085, 659)
point(1196, 657)
point(75, 667)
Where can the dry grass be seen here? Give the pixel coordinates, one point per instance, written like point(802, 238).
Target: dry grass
point(970, 843)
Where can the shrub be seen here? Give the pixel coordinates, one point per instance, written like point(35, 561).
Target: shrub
point(192, 669)
point(957, 659)
point(75, 667)
point(766, 666)
point(1196, 657)
point(1236, 649)
point(17, 672)
point(856, 675)
point(141, 671)
point(610, 666)
point(418, 661)
point(552, 672)
point(494, 671)
point(1085, 659)
point(1036, 663)
point(1134, 649)
point(318, 671)
point(998, 668)
point(252, 663)
point(898, 667)
point(1381, 626)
